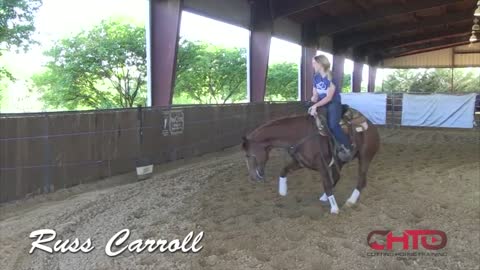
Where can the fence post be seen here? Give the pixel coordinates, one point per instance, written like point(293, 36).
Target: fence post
point(47, 158)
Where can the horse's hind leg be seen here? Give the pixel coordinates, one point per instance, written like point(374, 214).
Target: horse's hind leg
point(361, 182)
point(282, 181)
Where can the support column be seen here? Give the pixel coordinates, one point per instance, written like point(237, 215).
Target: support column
point(338, 70)
point(259, 51)
point(357, 77)
point(165, 18)
point(372, 76)
point(306, 73)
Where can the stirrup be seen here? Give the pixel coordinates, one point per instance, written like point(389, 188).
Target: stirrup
point(344, 154)
point(320, 126)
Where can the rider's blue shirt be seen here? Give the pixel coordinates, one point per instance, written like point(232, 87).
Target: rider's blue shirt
point(321, 85)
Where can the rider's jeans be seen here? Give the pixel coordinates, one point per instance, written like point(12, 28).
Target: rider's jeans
point(334, 114)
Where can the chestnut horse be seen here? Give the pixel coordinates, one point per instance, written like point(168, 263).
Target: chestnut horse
point(299, 136)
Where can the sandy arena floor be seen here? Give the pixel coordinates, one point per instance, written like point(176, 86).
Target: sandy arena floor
point(421, 179)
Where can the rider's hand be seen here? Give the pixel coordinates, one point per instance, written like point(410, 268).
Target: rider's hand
point(312, 110)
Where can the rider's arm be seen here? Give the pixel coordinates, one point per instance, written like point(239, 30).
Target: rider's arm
point(314, 95)
point(328, 98)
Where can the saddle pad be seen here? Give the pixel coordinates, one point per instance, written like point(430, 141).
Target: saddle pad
point(356, 119)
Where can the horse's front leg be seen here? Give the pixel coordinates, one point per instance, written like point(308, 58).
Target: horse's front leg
point(328, 188)
point(336, 178)
point(282, 181)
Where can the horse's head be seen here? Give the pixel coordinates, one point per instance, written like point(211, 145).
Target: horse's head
point(256, 155)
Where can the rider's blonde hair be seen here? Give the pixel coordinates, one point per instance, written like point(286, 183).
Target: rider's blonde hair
point(325, 63)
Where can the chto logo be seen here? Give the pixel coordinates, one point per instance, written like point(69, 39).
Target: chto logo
point(410, 239)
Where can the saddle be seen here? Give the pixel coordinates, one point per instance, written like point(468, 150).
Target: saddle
point(351, 121)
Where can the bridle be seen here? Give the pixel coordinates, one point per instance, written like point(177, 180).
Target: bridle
point(255, 160)
point(291, 149)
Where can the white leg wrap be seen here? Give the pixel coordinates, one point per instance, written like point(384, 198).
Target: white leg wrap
point(354, 197)
point(333, 205)
point(324, 197)
point(282, 186)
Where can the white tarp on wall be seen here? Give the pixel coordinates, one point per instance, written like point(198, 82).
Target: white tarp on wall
point(438, 110)
point(373, 106)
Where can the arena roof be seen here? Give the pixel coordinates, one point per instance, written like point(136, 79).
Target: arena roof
point(365, 30)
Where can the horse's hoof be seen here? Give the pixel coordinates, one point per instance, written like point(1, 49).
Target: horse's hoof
point(334, 212)
point(349, 204)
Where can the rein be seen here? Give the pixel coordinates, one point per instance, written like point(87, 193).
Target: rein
point(292, 151)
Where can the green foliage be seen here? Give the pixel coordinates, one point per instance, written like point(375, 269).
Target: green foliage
point(16, 26)
point(210, 74)
point(432, 80)
point(282, 82)
point(347, 83)
point(101, 68)
point(3, 87)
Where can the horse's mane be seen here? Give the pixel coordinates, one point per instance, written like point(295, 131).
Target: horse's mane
point(275, 122)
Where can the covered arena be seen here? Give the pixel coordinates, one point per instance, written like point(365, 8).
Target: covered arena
point(75, 172)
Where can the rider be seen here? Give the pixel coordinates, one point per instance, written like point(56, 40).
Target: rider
point(326, 95)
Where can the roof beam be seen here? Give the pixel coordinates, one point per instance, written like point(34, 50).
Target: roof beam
point(430, 39)
point(372, 48)
point(440, 47)
point(284, 8)
point(328, 27)
point(428, 47)
point(357, 39)
point(378, 47)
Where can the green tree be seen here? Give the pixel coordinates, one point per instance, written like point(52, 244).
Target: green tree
point(401, 80)
point(210, 74)
point(101, 68)
point(466, 80)
point(16, 26)
point(433, 80)
point(347, 83)
point(282, 82)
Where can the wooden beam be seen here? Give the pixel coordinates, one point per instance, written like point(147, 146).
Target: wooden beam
point(372, 48)
point(467, 52)
point(284, 8)
point(261, 27)
point(429, 38)
point(431, 49)
point(306, 73)
point(428, 47)
point(359, 38)
point(165, 18)
point(329, 27)
point(357, 77)
point(338, 70)
point(372, 76)
point(360, 4)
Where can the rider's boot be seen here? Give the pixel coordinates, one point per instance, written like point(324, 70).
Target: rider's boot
point(345, 153)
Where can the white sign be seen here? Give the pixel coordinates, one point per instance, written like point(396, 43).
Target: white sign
point(173, 123)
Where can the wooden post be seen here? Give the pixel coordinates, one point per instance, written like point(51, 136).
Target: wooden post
point(306, 71)
point(165, 18)
point(338, 70)
point(357, 77)
point(259, 50)
point(372, 76)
